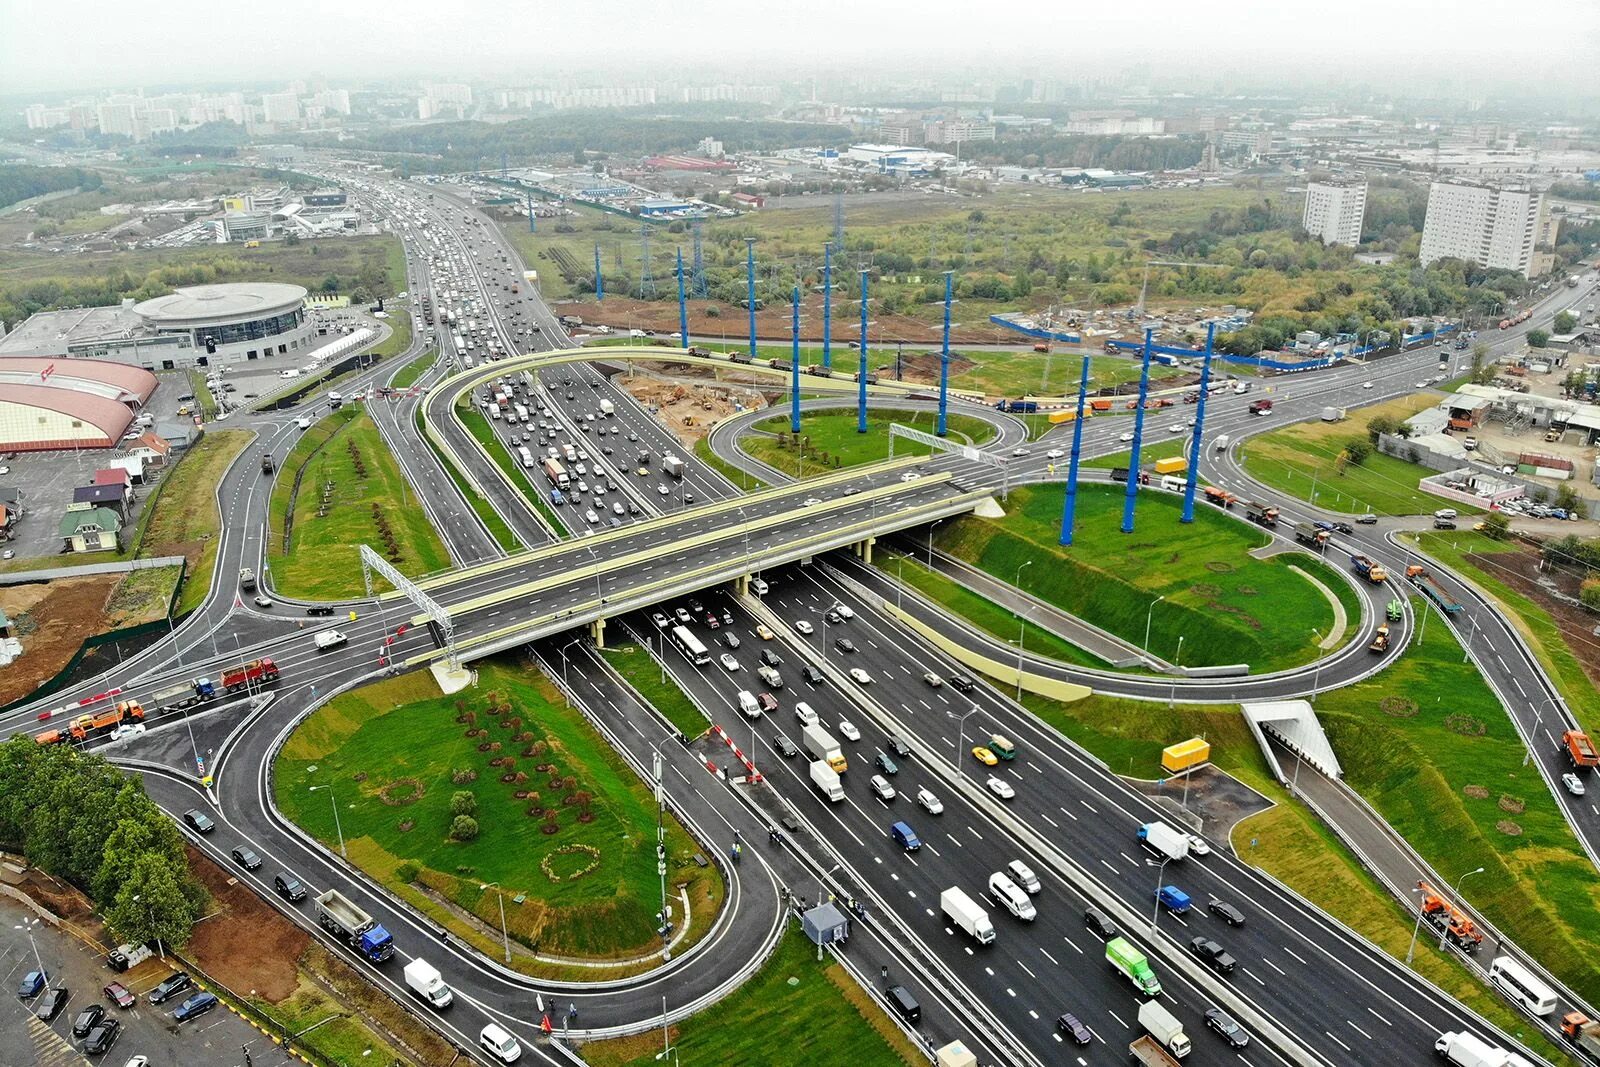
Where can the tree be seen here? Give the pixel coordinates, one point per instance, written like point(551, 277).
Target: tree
point(1538, 338)
point(1381, 424)
point(1567, 497)
point(463, 828)
point(156, 899)
point(1565, 322)
point(1589, 594)
point(1357, 450)
point(1497, 526)
point(145, 833)
point(463, 802)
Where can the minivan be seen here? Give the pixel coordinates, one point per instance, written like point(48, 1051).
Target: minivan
point(905, 836)
point(748, 705)
point(904, 1003)
point(1011, 897)
point(500, 1043)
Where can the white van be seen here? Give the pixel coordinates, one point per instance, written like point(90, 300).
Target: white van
point(1173, 484)
point(501, 1045)
point(1010, 896)
point(749, 705)
point(758, 586)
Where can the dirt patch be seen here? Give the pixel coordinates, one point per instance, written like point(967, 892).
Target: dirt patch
point(1465, 725)
point(1520, 571)
point(1512, 805)
point(688, 410)
point(1476, 792)
point(62, 614)
point(271, 968)
point(1509, 828)
point(1405, 708)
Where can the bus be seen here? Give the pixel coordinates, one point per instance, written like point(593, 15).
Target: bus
point(1519, 983)
point(456, 337)
point(688, 644)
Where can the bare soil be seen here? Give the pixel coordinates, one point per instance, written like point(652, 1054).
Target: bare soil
point(689, 410)
point(1520, 570)
point(64, 612)
point(772, 322)
point(270, 969)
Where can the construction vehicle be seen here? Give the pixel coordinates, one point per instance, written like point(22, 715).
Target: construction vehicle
point(267, 466)
point(1308, 534)
point(1394, 611)
point(1380, 643)
point(183, 694)
point(1431, 589)
point(1579, 749)
point(820, 745)
point(256, 672)
point(1041, 346)
point(1220, 497)
point(820, 371)
point(86, 726)
point(1449, 920)
point(53, 737)
point(1582, 1031)
point(1368, 569)
point(1150, 1053)
point(1262, 514)
point(339, 915)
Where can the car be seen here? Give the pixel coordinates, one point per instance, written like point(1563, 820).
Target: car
point(663, 490)
point(845, 645)
point(1422, 384)
point(1054, 453)
point(728, 662)
point(1366, 385)
point(1368, 519)
point(910, 476)
point(1099, 925)
point(591, 517)
point(834, 617)
point(127, 729)
point(1019, 451)
point(288, 887)
point(50, 1004)
point(884, 763)
point(1226, 912)
point(500, 1043)
point(1221, 1023)
point(810, 502)
point(1000, 787)
point(683, 616)
point(195, 1006)
point(961, 683)
point(245, 858)
point(1069, 1025)
point(982, 754)
point(804, 627)
point(169, 988)
point(768, 702)
point(1023, 875)
point(1125, 438)
point(764, 633)
point(120, 995)
point(199, 821)
point(860, 677)
point(771, 658)
point(661, 621)
point(1343, 527)
point(845, 610)
point(1212, 954)
point(898, 747)
point(1573, 783)
point(933, 680)
point(731, 640)
point(881, 788)
point(1176, 427)
point(102, 1037)
point(712, 622)
point(848, 731)
point(811, 674)
point(786, 748)
point(1198, 846)
point(87, 1020)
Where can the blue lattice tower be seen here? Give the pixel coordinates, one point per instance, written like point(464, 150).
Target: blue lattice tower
point(697, 280)
point(838, 219)
point(647, 279)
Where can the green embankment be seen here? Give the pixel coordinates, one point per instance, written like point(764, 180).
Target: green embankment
point(831, 440)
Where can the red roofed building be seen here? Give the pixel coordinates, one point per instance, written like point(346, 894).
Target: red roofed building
point(38, 418)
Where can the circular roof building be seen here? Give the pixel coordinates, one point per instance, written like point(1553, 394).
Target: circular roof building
point(231, 321)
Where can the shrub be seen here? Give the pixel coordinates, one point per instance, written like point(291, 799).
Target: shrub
point(462, 802)
point(463, 828)
point(407, 871)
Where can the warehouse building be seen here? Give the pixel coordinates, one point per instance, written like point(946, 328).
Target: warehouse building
point(50, 404)
point(199, 325)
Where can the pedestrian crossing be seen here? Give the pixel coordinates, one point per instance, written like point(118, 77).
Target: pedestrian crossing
point(50, 1048)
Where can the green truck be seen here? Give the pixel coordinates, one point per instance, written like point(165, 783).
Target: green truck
point(1131, 964)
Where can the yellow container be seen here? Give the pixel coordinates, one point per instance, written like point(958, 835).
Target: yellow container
point(1171, 465)
point(1058, 417)
point(1185, 754)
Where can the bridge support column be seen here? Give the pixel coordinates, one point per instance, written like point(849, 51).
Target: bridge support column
point(741, 585)
point(597, 631)
point(865, 548)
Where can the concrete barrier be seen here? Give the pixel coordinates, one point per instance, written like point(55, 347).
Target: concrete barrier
point(1053, 688)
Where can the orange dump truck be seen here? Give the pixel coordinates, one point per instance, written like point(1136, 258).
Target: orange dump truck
point(1579, 749)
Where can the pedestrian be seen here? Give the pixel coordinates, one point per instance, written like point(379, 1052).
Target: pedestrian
point(572, 1011)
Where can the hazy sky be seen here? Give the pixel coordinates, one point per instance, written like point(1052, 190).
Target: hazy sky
point(95, 43)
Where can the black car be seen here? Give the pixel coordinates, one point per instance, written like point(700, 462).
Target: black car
point(1226, 912)
point(1344, 527)
point(961, 683)
point(102, 1037)
point(898, 747)
point(51, 1003)
point(195, 1006)
point(246, 858)
point(1213, 954)
point(885, 764)
point(199, 821)
point(1099, 924)
point(1069, 1025)
point(844, 644)
point(771, 658)
point(87, 1020)
point(170, 988)
point(320, 609)
point(786, 748)
point(288, 887)
point(1222, 1024)
point(811, 674)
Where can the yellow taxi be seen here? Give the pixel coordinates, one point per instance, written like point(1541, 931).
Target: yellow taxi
point(984, 756)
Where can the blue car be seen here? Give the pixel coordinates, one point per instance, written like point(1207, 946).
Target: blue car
point(195, 1007)
point(32, 984)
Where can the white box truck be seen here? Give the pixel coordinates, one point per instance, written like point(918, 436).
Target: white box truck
point(425, 981)
point(965, 913)
point(955, 1054)
point(819, 744)
point(749, 705)
point(1469, 1050)
point(1164, 1027)
point(826, 779)
point(1165, 840)
point(607, 408)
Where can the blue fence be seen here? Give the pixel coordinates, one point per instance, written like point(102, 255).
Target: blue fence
point(1035, 332)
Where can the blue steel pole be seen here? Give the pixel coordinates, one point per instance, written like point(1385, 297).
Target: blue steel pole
point(794, 369)
point(531, 227)
point(944, 358)
point(827, 306)
point(1069, 513)
point(599, 279)
point(1138, 439)
point(683, 306)
point(1199, 427)
point(750, 279)
point(861, 372)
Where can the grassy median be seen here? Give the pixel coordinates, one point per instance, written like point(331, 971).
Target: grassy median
point(831, 440)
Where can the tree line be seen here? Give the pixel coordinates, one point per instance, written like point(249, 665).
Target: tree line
point(21, 181)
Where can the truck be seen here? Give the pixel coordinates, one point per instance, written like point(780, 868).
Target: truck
point(955, 1054)
point(826, 779)
point(607, 408)
point(1449, 920)
point(86, 726)
point(267, 466)
point(1165, 840)
point(424, 980)
point(1018, 407)
point(183, 694)
point(820, 745)
point(1131, 964)
point(555, 473)
point(1380, 641)
point(1369, 570)
point(1582, 1031)
point(569, 452)
point(1148, 1052)
point(1261, 514)
point(965, 913)
point(1468, 1050)
point(1333, 414)
point(247, 579)
point(1307, 533)
point(1173, 899)
point(1171, 465)
point(1419, 577)
point(1579, 749)
point(1220, 497)
point(257, 672)
point(1164, 1027)
point(339, 916)
point(1261, 407)
point(672, 466)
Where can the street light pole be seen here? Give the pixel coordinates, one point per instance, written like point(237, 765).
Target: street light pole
point(335, 802)
point(961, 737)
point(1411, 951)
point(1161, 870)
point(500, 893)
point(1148, 616)
point(27, 927)
point(1017, 581)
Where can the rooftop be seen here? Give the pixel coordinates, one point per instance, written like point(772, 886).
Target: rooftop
point(209, 303)
point(53, 331)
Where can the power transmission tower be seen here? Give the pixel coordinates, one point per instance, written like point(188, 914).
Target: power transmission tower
point(697, 281)
point(647, 279)
point(838, 219)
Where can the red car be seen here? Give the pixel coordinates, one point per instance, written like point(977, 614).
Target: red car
point(119, 995)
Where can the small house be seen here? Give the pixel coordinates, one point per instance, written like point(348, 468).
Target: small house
point(94, 530)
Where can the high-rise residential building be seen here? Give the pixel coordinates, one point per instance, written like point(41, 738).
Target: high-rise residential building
point(1482, 224)
point(280, 107)
point(333, 101)
point(1334, 210)
point(116, 118)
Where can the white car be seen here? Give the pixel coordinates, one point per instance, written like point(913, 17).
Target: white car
point(663, 490)
point(1573, 783)
point(1366, 385)
point(928, 802)
point(590, 517)
point(1125, 438)
point(1019, 451)
point(263, 601)
point(804, 627)
point(805, 713)
point(1000, 788)
point(861, 677)
point(810, 502)
point(1054, 453)
point(1176, 427)
point(1422, 385)
point(845, 610)
point(881, 787)
point(848, 731)
point(134, 729)
point(729, 662)
point(5, 470)
point(910, 476)
point(1198, 845)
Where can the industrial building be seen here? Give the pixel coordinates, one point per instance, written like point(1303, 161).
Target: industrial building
point(1334, 211)
point(1492, 227)
point(200, 325)
point(899, 159)
point(49, 404)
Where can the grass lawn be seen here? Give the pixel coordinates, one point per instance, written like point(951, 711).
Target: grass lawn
point(399, 340)
point(1227, 606)
point(794, 1012)
point(748, 482)
point(406, 376)
point(1149, 452)
point(183, 519)
point(1535, 624)
point(982, 612)
point(396, 751)
point(1293, 458)
point(634, 663)
point(832, 436)
point(351, 491)
point(204, 400)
